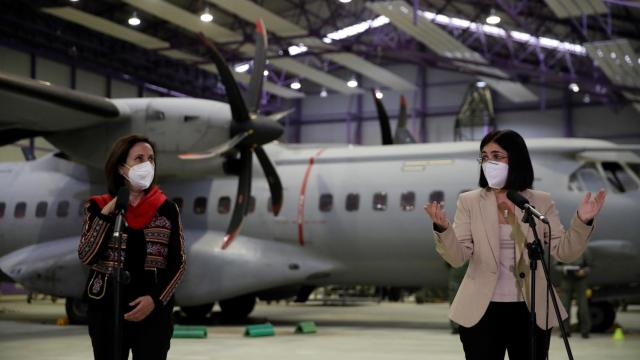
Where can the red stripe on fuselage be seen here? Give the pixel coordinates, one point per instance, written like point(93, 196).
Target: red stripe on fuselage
point(303, 189)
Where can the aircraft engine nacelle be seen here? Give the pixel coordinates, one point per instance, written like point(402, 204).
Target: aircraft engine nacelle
point(175, 125)
point(51, 267)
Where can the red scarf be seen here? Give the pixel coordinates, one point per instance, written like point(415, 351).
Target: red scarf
point(140, 215)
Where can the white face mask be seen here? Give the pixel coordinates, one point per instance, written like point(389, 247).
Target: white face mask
point(496, 173)
point(141, 175)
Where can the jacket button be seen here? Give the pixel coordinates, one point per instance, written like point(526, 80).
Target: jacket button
point(521, 275)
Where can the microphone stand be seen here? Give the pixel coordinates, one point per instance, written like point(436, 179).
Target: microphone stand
point(117, 280)
point(534, 250)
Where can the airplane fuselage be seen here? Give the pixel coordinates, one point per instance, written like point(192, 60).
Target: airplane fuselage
point(351, 215)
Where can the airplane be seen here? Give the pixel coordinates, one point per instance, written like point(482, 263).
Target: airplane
point(319, 214)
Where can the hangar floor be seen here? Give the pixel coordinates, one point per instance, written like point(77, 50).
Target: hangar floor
point(365, 330)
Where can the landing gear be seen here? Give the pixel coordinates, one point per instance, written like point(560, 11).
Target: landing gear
point(198, 312)
point(76, 311)
point(603, 314)
point(238, 308)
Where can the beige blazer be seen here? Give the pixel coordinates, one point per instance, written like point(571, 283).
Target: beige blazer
point(474, 236)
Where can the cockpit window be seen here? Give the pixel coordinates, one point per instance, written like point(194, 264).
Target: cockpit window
point(618, 178)
point(586, 178)
point(635, 167)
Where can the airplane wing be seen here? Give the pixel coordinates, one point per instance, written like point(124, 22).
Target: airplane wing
point(33, 108)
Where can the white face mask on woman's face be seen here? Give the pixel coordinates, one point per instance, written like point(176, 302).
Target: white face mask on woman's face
point(496, 173)
point(141, 176)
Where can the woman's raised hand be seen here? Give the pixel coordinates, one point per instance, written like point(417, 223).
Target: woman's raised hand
point(589, 208)
point(437, 214)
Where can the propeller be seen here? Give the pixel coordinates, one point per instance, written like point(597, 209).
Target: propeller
point(248, 132)
point(403, 136)
point(383, 118)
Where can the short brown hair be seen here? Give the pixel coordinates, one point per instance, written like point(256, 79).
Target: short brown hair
point(118, 156)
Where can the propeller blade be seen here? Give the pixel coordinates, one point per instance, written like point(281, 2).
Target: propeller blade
point(275, 186)
point(259, 60)
point(218, 150)
point(279, 115)
point(403, 136)
point(241, 205)
point(238, 108)
point(402, 116)
point(383, 118)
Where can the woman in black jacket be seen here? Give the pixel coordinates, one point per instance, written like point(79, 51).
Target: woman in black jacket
point(152, 254)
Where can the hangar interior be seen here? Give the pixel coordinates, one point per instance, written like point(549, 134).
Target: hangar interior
point(555, 68)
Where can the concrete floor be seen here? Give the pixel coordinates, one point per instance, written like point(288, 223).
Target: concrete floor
point(358, 331)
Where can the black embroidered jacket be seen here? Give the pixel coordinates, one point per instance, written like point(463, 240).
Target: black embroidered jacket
point(154, 256)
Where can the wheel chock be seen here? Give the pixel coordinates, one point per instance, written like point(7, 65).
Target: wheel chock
point(306, 327)
point(189, 332)
point(259, 330)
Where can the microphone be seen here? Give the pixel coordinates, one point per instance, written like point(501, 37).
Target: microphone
point(522, 202)
point(122, 202)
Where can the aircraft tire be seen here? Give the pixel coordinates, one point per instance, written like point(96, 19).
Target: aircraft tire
point(239, 307)
point(76, 311)
point(197, 312)
point(603, 315)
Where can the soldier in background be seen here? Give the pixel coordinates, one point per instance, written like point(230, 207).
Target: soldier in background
point(455, 278)
point(574, 284)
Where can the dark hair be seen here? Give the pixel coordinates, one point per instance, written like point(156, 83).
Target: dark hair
point(520, 175)
point(118, 156)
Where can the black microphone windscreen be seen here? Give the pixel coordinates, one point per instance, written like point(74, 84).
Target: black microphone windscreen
point(517, 199)
point(122, 202)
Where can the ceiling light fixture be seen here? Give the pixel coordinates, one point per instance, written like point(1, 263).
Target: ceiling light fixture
point(323, 93)
point(206, 15)
point(295, 85)
point(265, 73)
point(134, 20)
point(574, 87)
point(493, 19)
point(352, 82)
point(242, 67)
point(345, 1)
point(379, 94)
point(481, 84)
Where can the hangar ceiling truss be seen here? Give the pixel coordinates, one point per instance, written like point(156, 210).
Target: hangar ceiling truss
point(323, 43)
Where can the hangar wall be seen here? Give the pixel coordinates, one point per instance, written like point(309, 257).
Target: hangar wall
point(324, 119)
point(343, 119)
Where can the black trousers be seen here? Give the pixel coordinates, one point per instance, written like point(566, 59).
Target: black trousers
point(148, 339)
point(505, 326)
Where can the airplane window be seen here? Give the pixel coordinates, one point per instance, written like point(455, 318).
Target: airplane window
point(179, 202)
point(586, 178)
point(41, 209)
point(408, 201)
point(156, 115)
point(2, 207)
point(200, 205)
point(252, 204)
point(326, 202)
point(224, 205)
point(438, 196)
point(380, 201)
point(20, 210)
point(63, 209)
point(618, 177)
point(635, 168)
point(353, 202)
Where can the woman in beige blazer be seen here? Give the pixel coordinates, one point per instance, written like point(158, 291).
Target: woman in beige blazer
point(492, 304)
